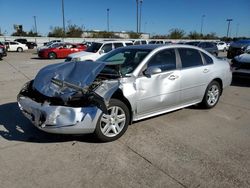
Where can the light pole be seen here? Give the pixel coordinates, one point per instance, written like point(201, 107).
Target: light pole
point(108, 19)
point(228, 25)
point(35, 24)
point(140, 16)
point(237, 30)
point(63, 18)
point(202, 21)
point(137, 16)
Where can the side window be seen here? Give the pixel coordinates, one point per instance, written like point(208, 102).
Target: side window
point(13, 43)
point(209, 45)
point(129, 44)
point(190, 57)
point(117, 45)
point(164, 59)
point(208, 59)
point(143, 42)
point(107, 47)
point(137, 42)
point(202, 45)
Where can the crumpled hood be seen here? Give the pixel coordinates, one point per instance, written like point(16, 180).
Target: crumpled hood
point(78, 73)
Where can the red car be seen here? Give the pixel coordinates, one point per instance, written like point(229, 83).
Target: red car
point(61, 50)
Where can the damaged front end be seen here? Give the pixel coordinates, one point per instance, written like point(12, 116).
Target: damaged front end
point(67, 97)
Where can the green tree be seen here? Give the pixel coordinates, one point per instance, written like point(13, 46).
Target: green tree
point(56, 32)
point(134, 35)
point(195, 35)
point(74, 31)
point(32, 34)
point(176, 33)
point(211, 35)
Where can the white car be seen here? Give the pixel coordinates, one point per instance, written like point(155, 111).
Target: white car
point(96, 50)
point(222, 46)
point(15, 46)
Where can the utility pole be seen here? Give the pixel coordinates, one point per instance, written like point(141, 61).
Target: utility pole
point(137, 16)
point(35, 25)
point(140, 16)
point(237, 30)
point(228, 25)
point(202, 21)
point(108, 19)
point(63, 18)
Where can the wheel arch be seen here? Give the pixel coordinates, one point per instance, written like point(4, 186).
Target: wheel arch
point(220, 82)
point(119, 95)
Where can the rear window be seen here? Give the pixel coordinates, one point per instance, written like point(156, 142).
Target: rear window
point(190, 57)
point(208, 59)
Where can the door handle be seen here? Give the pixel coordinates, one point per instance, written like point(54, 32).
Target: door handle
point(206, 70)
point(173, 77)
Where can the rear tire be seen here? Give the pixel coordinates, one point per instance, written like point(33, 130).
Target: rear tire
point(52, 55)
point(19, 49)
point(113, 125)
point(212, 95)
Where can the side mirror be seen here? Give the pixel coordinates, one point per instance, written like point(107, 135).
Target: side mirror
point(101, 52)
point(152, 70)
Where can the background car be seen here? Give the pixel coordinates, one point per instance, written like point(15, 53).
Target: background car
point(96, 50)
point(126, 85)
point(222, 46)
point(237, 48)
point(15, 46)
point(30, 45)
point(50, 42)
point(241, 64)
point(208, 46)
point(60, 50)
point(3, 50)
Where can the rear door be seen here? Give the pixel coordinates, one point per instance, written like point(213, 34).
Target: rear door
point(13, 46)
point(194, 75)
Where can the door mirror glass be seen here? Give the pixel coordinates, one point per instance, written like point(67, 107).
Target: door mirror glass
point(152, 70)
point(101, 52)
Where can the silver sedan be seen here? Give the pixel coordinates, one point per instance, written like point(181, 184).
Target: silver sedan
point(125, 85)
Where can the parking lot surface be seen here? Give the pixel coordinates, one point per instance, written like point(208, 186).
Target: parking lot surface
point(186, 148)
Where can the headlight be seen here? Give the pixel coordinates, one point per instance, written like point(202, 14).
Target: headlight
point(76, 59)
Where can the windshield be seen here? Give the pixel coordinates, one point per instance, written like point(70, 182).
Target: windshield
point(243, 42)
point(123, 61)
point(94, 47)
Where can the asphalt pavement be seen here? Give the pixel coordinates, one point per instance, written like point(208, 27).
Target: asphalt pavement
point(190, 147)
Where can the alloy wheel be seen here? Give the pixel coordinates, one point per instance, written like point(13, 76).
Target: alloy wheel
point(112, 124)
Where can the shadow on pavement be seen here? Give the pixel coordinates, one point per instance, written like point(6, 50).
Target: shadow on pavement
point(241, 81)
point(15, 127)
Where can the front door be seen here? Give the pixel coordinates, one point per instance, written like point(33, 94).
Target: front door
point(160, 91)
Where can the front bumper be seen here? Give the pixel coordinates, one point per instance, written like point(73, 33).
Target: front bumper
point(60, 119)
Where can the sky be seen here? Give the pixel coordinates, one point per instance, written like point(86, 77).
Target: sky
point(158, 16)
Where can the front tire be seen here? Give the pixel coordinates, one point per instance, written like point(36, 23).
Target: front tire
point(52, 55)
point(114, 124)
point(212, 95)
